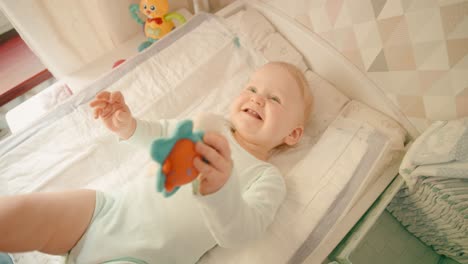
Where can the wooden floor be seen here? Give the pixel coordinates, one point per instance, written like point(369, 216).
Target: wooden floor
point(20, 69)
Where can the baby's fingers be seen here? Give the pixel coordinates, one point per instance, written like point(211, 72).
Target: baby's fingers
point(219, 143)
point(96, 113)
point(104, 95)
point(203, 168)
point(213, 157)
point(121, 119)
point(98, 103)
point(123, 116)
point(117, 97)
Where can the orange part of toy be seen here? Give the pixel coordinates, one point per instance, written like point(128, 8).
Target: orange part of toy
point(178, 166)
point(156, 31)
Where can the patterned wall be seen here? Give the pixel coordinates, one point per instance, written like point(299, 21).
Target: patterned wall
point(416, 50)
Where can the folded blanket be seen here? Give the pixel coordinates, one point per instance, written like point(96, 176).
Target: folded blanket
point(441, 151)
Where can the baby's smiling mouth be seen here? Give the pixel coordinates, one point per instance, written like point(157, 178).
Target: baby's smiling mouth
point(252, 113)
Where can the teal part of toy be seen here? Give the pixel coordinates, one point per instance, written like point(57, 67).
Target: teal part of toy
point(162, 147)
point(236, 42)
point(144, 45)
point(134, 10)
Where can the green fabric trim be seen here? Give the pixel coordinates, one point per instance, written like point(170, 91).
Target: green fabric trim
point(5, 259)
point(128, 259)
point(175, 15)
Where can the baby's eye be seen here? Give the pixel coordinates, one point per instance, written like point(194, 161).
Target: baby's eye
point(153, 8)
point(252, 89)
point(276, 99)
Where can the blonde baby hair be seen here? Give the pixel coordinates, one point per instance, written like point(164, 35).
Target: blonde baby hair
point(303, 85)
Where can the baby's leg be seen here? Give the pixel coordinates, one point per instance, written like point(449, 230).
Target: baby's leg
point(48, 222)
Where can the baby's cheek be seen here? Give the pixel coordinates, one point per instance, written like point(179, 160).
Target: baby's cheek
point(237, 103)
point(278, 113)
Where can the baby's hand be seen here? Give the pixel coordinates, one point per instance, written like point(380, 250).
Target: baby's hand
point(213, 175)
point(115, 114)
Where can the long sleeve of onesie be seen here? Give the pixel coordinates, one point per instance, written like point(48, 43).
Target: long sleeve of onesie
point(237, 212)
point(235, 217)
point(146, 132)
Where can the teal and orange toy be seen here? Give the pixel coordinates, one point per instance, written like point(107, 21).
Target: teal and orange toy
point(175, 155)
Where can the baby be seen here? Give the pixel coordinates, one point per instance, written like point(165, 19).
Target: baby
point(239, 192)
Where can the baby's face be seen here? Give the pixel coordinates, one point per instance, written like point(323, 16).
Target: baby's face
point(269, 108)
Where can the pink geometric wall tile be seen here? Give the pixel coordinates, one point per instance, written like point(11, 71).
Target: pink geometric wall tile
point(457, 51)
point(428, 78)
point(398, 82)
point(394, 31)
point(345, 39)
point(463, 92)
point(378, 5)
point(344, 17)
point(400, 58)
point(319, 19)
point(431, 56)
point(416, 51)
point(442, 86)
point(452, 17)
point(333, 8)
point(355, 57)
point(462, 106)
point(391, 9)
point(412, 106)
point(411, 5)
point(361, 11)
point(379, 64)
point(449, 2)
point(424, 25)
point(461, 31)
point(368, 35)
point(459, 82)
point(369, 55)
point(439, 107)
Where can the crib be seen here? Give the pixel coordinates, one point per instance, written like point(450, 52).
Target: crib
point(352, 113)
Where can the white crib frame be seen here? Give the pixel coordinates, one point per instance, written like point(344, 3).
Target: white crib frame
point(325, 60)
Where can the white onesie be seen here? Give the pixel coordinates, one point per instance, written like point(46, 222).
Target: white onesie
point(137, 224)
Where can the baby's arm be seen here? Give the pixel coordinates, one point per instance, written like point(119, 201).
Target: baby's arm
point(115, 114)
point(48, 222)
point(234, 217)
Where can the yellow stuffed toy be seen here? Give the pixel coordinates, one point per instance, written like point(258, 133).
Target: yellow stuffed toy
point(158, 22)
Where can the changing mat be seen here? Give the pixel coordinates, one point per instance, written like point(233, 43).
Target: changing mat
point(320, 187)
point(200, 67)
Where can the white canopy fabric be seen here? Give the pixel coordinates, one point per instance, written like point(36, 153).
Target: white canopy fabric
point(66, 35)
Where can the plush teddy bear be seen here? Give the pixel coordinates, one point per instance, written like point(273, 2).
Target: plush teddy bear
point(158, 21)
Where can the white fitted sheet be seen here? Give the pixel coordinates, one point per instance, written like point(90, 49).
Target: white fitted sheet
point(197, 68)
